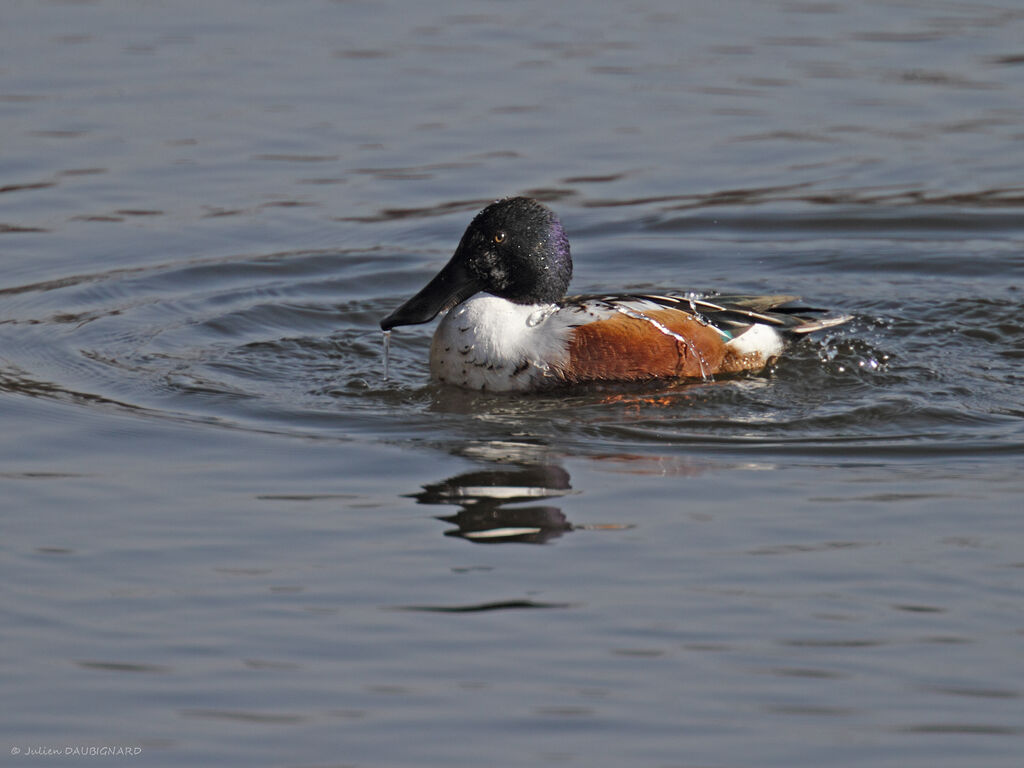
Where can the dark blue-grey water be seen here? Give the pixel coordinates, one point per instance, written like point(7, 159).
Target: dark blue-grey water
point(226, 539)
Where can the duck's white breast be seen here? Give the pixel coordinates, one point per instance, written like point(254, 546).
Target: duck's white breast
point(492, 344)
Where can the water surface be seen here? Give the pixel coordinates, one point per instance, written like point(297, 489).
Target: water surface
point(228, 539)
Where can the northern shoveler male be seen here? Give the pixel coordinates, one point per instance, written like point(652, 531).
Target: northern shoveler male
point(512, 328)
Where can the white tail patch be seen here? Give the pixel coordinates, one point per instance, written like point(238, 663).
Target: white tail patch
point(758, 339)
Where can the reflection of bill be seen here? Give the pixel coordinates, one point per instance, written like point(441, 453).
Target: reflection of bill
point(490, 504)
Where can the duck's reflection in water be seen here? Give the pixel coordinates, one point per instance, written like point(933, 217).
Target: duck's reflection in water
point(492, 504)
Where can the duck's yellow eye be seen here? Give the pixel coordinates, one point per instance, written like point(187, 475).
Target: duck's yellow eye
point(499, 237)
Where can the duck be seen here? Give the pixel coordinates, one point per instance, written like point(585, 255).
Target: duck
point(510, 327)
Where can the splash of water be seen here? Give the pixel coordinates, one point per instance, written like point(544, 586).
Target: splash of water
point(692, 298)
point(387, 355)
point(542, 314)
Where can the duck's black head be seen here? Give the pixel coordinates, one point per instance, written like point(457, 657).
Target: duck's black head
point(515, 249)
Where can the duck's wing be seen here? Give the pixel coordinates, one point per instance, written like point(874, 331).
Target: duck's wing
point(732, 313)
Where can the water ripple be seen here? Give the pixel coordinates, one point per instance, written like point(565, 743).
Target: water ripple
point(289, 340)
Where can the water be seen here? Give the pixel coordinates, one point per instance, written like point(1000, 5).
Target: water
point(228, 538)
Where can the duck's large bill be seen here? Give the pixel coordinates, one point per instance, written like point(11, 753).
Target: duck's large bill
point(452, 285)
